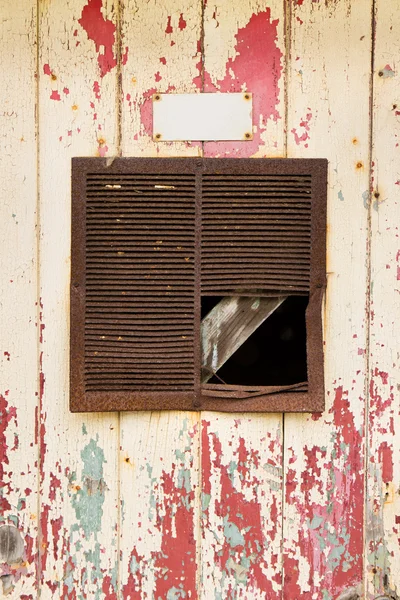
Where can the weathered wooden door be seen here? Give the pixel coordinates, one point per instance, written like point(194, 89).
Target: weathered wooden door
point(173, 505)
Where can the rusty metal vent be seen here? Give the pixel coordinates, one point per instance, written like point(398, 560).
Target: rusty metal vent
point(139, 282)
point(256, 234)
point(150, 236)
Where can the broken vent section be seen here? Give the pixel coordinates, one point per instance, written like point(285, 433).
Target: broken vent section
point(254, 341)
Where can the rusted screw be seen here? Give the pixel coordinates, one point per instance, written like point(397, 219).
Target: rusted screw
point(157, 97)
point(377, 194)
point(247, 135)
point(158, 136)
point(247, 96)
point(380, 73)
point(359, 165)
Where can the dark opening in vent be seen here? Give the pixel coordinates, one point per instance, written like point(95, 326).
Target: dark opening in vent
point(275, 354)
point(208, 303)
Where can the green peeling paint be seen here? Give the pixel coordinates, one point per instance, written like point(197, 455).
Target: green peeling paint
point(175, 593)
point(152, 498)
point(184, 480)
point(179, 455)
point(232, 534)
point(88, 500)
point(316, 522)
point(205, 501)
point(93, 570)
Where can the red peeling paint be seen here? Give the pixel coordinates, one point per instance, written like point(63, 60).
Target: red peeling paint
point(44, 537)
point(256, 45)
point(383, 375)
point(56, 525)
point(182, 22)
point(132, 590)
point(304, 136)
point(7, 355)
point(46, 69)
point(257, 67)
point(316, 416)
point(55, 484)
point(66, 91)
point(157, 76)
point(108, 589)
point(233, 511)
point(163, 60)
point(146, 110)
point(55, 95)
point(7, 414)
point(102, 150)
point(328, 538)
point(175, 564)
point(168, 28)
point(96, 89)
point(385, 454)
point(102, 32)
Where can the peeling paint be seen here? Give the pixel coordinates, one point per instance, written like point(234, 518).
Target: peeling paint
point(88, 498)
point(329, 538)
point(240, 533)
point(255, 42)
point(102, 32)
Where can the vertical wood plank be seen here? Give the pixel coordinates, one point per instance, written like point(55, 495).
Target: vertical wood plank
point(159, 450)
point(383, 466)
point(79, 468)
point(241, 454)
point(328, 116)
point(18, 303)
point(241, 459)
point(244, 49)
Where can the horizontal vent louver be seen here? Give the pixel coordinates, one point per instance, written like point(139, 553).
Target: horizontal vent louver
point(256, 234)
point(139, 311)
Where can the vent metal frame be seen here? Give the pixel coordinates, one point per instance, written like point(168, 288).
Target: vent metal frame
point(304, 397)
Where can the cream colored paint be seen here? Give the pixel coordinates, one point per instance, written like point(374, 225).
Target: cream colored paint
point(71, 437)
point(159, 442)
point(383, 503)
point(19, 311)
point(329, 78)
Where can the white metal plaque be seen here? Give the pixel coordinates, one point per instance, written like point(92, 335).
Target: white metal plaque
point(202, 117)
